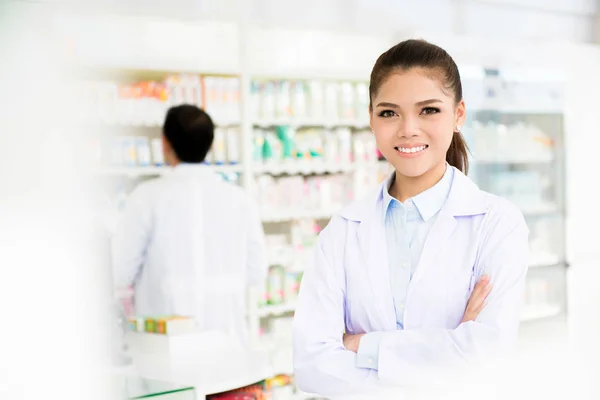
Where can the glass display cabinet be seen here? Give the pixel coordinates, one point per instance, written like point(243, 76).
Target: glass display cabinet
point(515, 131)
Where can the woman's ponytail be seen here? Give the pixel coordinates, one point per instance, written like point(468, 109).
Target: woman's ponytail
point(458, 153)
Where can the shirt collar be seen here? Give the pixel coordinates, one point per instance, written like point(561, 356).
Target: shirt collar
point(427, 203)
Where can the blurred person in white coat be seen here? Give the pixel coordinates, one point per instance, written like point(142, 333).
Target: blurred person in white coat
point(425, 276)
point(189, 243)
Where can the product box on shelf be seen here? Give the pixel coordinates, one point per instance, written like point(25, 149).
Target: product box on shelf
point(145, 103)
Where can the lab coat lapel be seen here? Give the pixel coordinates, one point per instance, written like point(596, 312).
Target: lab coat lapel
point(464, 199)
point(438, 238)
point(372, 242)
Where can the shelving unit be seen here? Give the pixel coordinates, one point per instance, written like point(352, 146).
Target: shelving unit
point(229, 61)
point(518, 153)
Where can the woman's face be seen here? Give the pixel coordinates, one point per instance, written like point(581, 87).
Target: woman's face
point(413, 119)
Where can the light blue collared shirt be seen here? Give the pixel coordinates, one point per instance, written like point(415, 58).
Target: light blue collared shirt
point(406, 228)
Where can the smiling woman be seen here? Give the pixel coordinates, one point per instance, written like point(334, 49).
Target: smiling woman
point(416, 110)
point(425, 276)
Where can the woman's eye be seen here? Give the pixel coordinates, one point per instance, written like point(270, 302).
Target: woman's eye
point(430, 110)
point(387, 113)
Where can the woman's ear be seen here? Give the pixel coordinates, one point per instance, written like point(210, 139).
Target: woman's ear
point(461, 114)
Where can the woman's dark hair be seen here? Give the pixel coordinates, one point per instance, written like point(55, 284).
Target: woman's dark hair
point(190, 131)
point(422, 54)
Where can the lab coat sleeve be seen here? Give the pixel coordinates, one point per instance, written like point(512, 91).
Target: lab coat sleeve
point(131, 238)
point(256, 249)
point(420, 356)
point(321, 363)
point(368, 351)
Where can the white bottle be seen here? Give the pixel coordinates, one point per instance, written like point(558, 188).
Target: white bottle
point(157, 152)
point(142, 147)
point(233, 146)
point(219, 150)
point(129, 153)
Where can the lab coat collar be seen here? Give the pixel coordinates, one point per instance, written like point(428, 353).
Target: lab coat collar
point(193, 169)
point(465, 199)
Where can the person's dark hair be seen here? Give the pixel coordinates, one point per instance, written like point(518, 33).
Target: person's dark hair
point(422, 54)
point(190, 131)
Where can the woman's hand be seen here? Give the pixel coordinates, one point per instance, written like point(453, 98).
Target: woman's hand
point(351, 342)
point(477, 301)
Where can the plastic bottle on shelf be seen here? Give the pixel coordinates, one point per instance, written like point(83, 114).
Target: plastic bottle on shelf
point(272, 149)
point(315, 144)
point(347, 102)
point(332, 106)
point(282, 100)
point(298, 106)
point(233, 145)
point(275, 285)
point(344, 145)
point(211, 98)
point(358, 148)
point(316, 100)
point(330, 147)
point(157, 152)
point(235, 106)
point(255, 101)
point(268, 100)
point(142, 147)
point(287, 137)
point(258, 144)
point(115, 152)
point(129, 151)
point(218, 147)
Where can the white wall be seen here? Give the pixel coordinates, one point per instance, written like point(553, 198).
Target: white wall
point(571, 20)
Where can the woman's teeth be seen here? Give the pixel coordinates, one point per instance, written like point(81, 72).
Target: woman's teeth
point(411, 149)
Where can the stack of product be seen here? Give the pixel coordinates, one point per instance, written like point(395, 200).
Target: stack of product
point(292, 193)
point(327, 192)
point(258, 391)
point(128, 151)
point(520, 142)
point(144, 151)
point(313, 100)
point(285, 144)
point(164, 325)
point(287, 260)
point(145, 103)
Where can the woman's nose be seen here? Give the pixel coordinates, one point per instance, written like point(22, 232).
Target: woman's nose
point(407, 127)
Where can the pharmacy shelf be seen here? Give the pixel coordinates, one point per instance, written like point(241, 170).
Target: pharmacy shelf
point(306, 168)
point(296, 214)
point(315, 167)
point(276, 310)
point(545, 261)
point(484, 161)
point(156, 171)
point(540, 210)
point(312, 123)
point(532, 313)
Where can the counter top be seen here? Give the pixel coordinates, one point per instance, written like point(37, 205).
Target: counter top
point(209, 371)
point(135, 387)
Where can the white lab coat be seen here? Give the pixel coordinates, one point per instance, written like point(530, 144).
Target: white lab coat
point(348, 288)
point(190, 245)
